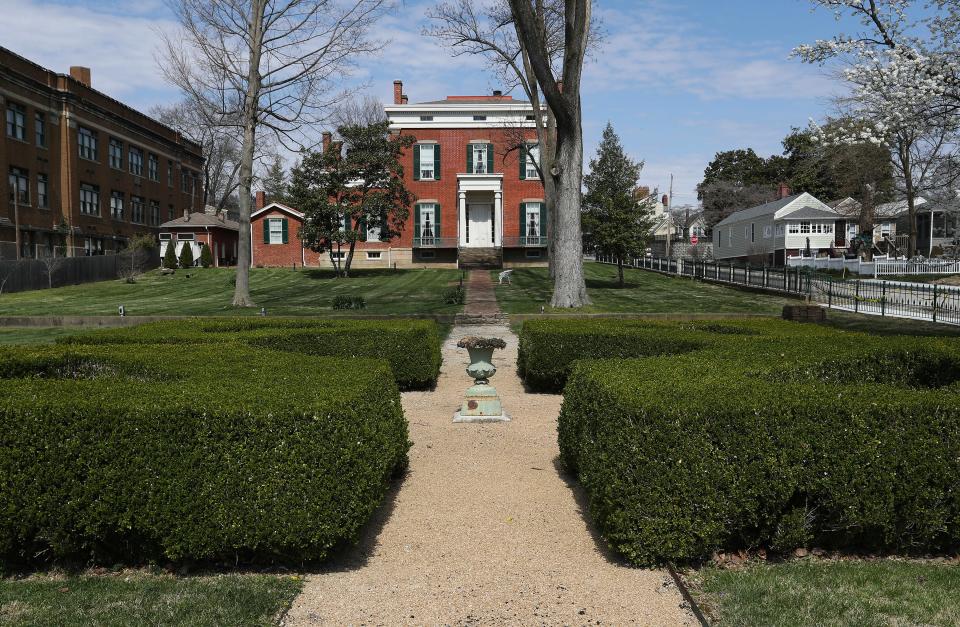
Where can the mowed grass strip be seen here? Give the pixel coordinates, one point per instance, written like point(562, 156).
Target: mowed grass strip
point(35, 335)
point(208, 291)
point(644, 292)
point(146, 599)
point(819, 592)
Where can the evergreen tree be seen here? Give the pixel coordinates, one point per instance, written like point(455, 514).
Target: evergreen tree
point(206, 257)
point(186, 255)
point(619, 225)
point(275, 182)
point(170, 255)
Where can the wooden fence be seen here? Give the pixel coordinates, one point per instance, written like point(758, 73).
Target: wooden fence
point(35, 274)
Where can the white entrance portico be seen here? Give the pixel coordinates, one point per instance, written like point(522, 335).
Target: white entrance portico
point(480, 204)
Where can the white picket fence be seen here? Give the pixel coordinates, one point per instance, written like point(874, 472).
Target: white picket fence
point(905, 267)
point(832, 263)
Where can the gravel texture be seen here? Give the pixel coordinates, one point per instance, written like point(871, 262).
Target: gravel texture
point(485, 529)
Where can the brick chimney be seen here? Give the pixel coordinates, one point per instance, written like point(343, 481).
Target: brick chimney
point(220, 216)
point(641, 192)
point(665, 200)
point(327, 136)
point(186, 215)
point(497, 93)
point(261, 201)
point(783, 190)
point(397, 92)
point(403, 99)
point(80, 74)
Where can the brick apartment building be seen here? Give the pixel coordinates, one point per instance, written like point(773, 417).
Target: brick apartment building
point(83, 170)
point(479, 197)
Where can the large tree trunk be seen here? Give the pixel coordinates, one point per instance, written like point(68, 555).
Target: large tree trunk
point(569, 289)
point(241, 293)
point(620, 270)
point(866, 222)
point(548, 148)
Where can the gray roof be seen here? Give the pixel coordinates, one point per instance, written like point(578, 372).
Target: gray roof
point(896, 208)
point(201, 219)
point(760, 210)
point(812, 213)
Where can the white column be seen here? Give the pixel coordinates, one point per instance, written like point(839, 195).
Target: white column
point(462, 220)
point(498, 211)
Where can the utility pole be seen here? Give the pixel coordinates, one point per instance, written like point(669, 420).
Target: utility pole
point(669, 216)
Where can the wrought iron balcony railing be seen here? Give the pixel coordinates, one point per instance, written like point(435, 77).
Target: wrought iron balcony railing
point(525, 242)
point(434, 242)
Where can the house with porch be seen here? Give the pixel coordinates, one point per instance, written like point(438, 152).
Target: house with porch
point(479, 198)
point(790, 226)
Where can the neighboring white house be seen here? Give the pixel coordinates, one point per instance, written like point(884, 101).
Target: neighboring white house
point(786, 227)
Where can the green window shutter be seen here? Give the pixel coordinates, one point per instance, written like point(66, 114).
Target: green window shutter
point(523, 165)
point(544, 219)
point(416, 221)
point(436, 162)
point(286, 231)
point(416, 162)
point(489, 158)
point(469, 158)
point(266, 231)
point(436, 220)
point(362, 226)
point(523, 220)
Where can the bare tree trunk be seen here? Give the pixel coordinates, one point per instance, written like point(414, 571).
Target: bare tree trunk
point(349, 261)
point(241, 294)
point(911, 194)
point(620, 269)
point(569, 288)
point(549, 187)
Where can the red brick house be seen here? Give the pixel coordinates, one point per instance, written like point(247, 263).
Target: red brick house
point(479, 198)
point(214, 229)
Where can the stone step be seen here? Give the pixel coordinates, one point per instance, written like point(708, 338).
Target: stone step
point(481, 318)
point(480, 258)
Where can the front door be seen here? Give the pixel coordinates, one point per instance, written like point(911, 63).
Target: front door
point(480, 225)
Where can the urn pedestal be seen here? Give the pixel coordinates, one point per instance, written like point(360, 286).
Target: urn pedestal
point(481, 403)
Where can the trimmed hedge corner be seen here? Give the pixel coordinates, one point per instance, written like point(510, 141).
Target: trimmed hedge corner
point(411, 346)
point(199, 452)
point(851, 443)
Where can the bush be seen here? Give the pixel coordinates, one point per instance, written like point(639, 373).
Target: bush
point(766, 442)
point(349, 302)
point(170, 256)
point(455, 296)
point(412, 347)
point(206, 257)
point(186, 255)
point(115, 454)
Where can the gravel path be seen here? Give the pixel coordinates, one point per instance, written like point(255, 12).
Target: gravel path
point(484, 529)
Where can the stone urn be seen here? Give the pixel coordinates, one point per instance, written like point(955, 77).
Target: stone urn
point(481, 402)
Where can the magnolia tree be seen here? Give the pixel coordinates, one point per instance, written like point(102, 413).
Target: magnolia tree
point(904, 79)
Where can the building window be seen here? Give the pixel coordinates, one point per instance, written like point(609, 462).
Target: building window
point(88, 143)
point(40, 129)
point(426, 118)
point(533, 254)
point(116, 205)
point(338, 254)
point(374, 232)
point(154, 213)
point(185, 237)
point(164, 237)
point(89, 199)
point(886, 229)
point(43, 194)
point(730, 237)
point(479, 118)
point(16, 124)
point(427, 172)
point(793, 228)
point(533, 160)
point(276, 230)
point(753, 232)
point(170, 174)
point(427, 254)
point(153, 168)
point(136, 210)
point(169, 212)
point(805, 227)
point(479, 158)
point(374, 255)
point(136, 161)
point(19, 186)
point(183, 180)
point(115, 154)
point(779, 230)
point(532, 221)
point(428, 221)
point(92, 246)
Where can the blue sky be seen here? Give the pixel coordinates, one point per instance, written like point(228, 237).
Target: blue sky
point(679, 80)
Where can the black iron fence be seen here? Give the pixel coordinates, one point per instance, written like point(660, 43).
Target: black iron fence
point(34, 274)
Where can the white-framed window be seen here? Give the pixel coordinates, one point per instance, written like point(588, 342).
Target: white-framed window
point(805, 227)
point(533, 253)
point(276, 230)
point(136, 161)
point(479, 158)
point(19, 185)
point(116, 205)
point(532, 220)
point(427, 171)
point(89, 199)
point(136, 210)
point(43, 197)
point(164, 237)
point(16, 121)
point(153, 168)
point(533, 160)
point(184, 237)
point(730, 236)
point(373, 233)
point(87, 140)
point(779, 230)
point(338, 254)
point(793, 228)
point(852, 230)
point(479, 118)
point(115, 154)
point(374, 255)
point(428, 220)
point(154, 213)
point(767, 232)
point(886, 229)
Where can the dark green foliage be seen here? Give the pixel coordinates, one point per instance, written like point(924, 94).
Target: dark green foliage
point(411, 346)
point(200, 452)
point(206, 257)
point(349, 302)
point(170, 256)
point(455, 296)
point(186, 256)
point(777, 440)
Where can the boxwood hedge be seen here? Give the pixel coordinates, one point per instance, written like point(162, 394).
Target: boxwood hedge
point(191, 452)
point(774, 442)
point(411, 346)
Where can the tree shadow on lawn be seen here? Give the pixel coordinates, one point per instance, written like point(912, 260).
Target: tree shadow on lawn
point(325, 274)
point(610, 284)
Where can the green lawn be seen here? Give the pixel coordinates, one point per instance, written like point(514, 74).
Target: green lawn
point(645, 292)
point(815, 592)
point(35, 335)
point(282, 291)
point(145, 599)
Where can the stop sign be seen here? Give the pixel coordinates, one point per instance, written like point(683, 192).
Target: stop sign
point(694, 240)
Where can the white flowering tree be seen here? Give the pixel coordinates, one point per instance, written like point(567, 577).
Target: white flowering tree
point(904, 88)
